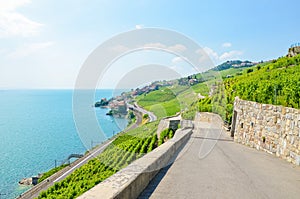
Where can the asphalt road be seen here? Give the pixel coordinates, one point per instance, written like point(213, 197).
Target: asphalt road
point(136, 107)
point(211, 165)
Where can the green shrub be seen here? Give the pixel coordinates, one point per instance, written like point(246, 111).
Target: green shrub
point(164, 135)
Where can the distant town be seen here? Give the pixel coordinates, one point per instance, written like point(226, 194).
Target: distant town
point(118, 104)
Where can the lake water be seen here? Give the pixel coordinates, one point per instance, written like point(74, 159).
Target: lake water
point(37, 128)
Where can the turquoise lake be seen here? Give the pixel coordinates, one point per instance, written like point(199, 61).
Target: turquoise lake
point(37, 128)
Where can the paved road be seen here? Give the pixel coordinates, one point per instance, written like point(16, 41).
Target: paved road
point(136, 107)
point(230, 170)
point(139, 118)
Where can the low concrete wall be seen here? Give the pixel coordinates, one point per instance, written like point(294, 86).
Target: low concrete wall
point(132, 180)
point(163, 124)
point(185, 124)
point(168, 122)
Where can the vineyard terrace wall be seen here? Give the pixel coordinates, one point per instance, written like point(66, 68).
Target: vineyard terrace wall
point(274, 129)
point(133, 179)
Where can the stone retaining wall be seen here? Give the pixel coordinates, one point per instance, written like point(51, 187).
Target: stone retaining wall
point(132, 180)
point(274, 129)
point(294, 51)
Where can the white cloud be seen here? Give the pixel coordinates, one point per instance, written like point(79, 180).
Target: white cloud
point(2, 51)
point(216, 58)
point(13, 23)
point(226, 45)
point(177, 60)
point(177, 48)
point(12, 4)
point(139, 26)
point(211, 53)
point(119, 48)
point(29, 49)
point(234, 54)
point(155, 45)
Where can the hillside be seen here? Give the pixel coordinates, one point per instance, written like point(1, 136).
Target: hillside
point(184, 97)
point(233, 64)
point(276, 82)
point(167, 101)
point(126, 148)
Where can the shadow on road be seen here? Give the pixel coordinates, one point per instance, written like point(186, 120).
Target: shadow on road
point(147, 192)
point(206, 138)
point(154, 183)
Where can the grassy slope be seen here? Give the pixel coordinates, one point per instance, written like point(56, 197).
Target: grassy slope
point(126, 148)
point(162, 102)
point(168, 101)
point(274, 83)
point(51, 172)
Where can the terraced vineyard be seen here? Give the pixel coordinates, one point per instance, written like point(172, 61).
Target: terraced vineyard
point(126, 148)
point(162, 102)
point(275, 82)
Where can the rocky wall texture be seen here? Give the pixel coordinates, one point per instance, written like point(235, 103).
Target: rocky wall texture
point(294, 51)
point(274, 129)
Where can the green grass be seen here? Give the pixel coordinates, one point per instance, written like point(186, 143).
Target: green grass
point(201, 88)
point(215, 103)
point(168, 101)
point(51, 172)
point(177, 89)
point(275, 82)
point(232, 71)
point(162, 95)
point(163, 102)
point(165, 135)
point(164, 109)
point(126, 148)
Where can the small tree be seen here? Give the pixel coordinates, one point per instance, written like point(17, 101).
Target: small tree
point(249, 70)
point(258, 67)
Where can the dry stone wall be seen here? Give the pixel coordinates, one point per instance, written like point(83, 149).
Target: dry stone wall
point(294, 51)
point(274, 129)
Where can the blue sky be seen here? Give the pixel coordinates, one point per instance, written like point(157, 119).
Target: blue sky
point(44, 43)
